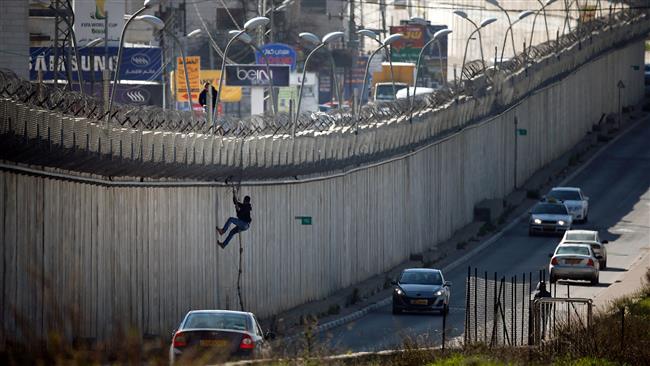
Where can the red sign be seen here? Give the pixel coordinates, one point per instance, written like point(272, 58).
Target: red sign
point(414, 36)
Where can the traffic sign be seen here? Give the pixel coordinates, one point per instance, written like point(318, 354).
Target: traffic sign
point(304, 220)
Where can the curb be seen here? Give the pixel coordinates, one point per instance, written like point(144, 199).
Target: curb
point(453, 265)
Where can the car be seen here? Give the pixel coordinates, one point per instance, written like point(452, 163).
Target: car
point(549, 217)
point(589, 237)
point(574, 262)
point(218, 335)
point(574, 200)
point(421, 289)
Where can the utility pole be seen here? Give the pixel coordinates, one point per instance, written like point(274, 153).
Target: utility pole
point(352, 27)
point(382, 10)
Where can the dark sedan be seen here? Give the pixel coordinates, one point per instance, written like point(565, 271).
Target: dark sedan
point(217, 335)
point(421, 289)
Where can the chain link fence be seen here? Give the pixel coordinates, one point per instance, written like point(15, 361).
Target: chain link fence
point(153, 118)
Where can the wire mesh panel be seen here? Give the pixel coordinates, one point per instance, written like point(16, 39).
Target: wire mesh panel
point(497, 309)
point(551, 316)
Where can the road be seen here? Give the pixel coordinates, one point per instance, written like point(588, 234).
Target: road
point(617, 182)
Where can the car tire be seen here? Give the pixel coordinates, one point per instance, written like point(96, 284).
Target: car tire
point(396, 310)
point(586, 219)
point(552, 278)
point(531, 233)
point(603, 264)
point(595, 281)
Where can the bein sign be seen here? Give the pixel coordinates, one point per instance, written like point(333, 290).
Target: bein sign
point(257, 75)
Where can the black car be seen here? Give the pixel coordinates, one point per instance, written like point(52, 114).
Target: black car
point(217, 336)
point(421, 289)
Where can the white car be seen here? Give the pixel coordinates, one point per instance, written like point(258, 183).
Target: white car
point(589, 237)
point(574, 262)
point(574, 200)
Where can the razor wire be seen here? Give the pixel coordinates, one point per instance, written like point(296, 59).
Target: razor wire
point(155, 118)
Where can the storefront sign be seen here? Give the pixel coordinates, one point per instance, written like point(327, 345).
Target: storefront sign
point(257, 75)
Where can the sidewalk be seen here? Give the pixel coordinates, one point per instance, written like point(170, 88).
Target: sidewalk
point(356, 301)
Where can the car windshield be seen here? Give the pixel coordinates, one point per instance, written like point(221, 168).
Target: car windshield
point(580, 236)
point(385, 91)
point(218, 321)
point(573, 249)
point(550, 208)
point(421, 278)
point(563, 195)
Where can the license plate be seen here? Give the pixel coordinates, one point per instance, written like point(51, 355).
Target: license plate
point(572, 261)
point(213, 343)
point(419, 302)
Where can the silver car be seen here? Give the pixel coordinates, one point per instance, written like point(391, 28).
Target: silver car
point(591, 238)
point(574, 262)
point(549, 218)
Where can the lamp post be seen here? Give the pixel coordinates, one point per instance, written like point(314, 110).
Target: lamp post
point(374, 36)
point(387, 42)
point(116, 79)
point(313, 39)
point(436, 38)
point(248, 26)
point(521, 16)
point(92, 44)
point(159, 25)
point(477, 29)
point(510, 24)
point(548, 35)
point(532, 32)
point(248, 40)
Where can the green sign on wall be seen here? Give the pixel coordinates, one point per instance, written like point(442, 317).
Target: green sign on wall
point(304, 220)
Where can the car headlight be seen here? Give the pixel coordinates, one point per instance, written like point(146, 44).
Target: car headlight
point(561, 223)
point(537, 221)
point(438, 293)
point(399, 291)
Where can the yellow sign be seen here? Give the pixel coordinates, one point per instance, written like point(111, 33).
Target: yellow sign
point(194, 76)
point(228, 93)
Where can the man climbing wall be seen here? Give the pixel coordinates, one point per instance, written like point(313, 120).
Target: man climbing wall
point(242, 221)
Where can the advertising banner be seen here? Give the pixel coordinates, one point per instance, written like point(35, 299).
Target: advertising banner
point(90, 16)
point(415, 37)
point(286, 96)
point(229, 94)
point(257, 75)
point(138, 63)
point(277, 54)
point(194, 75)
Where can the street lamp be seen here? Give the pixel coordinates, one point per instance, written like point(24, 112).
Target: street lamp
point(387, 42)
point(248, 26)
point(496, 3)
point(159, 25)
point(478, 27)
point(248, 40)
point(116, 79)
point(313, 39)
point(543, 8)
point(436, 38)
point(521, 16)
point(374, 36)
point(92, 44)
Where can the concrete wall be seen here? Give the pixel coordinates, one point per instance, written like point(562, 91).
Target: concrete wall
point(14, 38)
point(89, 258)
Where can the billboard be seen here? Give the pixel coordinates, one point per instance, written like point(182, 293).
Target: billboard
point(90, 16)
point(138, 63)
point(257, 75)
point(194, 76)
point(277, 54)
point(228, 93)
point(415, 37)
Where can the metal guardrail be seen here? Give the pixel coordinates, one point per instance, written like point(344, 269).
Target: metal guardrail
point(158, 119)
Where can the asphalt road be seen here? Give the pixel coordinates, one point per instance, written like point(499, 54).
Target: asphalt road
point(617, 182)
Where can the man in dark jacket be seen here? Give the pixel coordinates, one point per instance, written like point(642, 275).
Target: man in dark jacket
point(203, 97)
point(242, 221)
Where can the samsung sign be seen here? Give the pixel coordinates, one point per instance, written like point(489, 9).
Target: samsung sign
point(257, 75)
point(138, 63)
